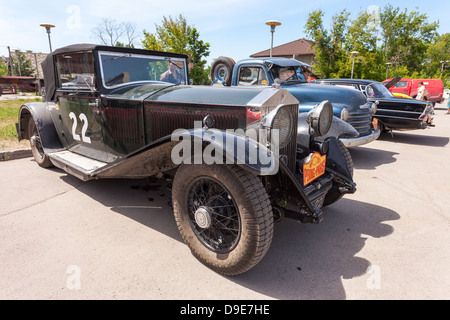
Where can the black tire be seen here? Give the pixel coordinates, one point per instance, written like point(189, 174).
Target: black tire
point(224, 216)
point(37, 149)
point(222, 66)
point(334, 195)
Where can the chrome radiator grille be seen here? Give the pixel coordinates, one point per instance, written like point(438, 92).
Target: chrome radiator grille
point(289, 151)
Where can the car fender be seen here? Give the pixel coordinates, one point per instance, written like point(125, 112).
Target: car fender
point(226, 147)
point(40, 113)
point(338, 129)
point(195, 146)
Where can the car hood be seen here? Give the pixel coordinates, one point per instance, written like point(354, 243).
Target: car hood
point(310, 94)
point(207, 95)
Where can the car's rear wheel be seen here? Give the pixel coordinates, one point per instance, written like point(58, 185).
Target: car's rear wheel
point(37, 149)
point(224, 215)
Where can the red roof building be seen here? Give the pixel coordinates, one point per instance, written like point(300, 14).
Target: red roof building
point(301, 49)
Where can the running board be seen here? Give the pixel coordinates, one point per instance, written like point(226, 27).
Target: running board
point(76, 164)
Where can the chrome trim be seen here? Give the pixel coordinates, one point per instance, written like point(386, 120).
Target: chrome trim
point(354, 142)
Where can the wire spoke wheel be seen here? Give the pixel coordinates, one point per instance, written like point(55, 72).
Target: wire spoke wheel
point(213, 214)
point(224, 215)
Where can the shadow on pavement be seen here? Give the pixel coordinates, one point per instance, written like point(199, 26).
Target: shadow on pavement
point(415, 139)
point(304, 262)
point(370, 159)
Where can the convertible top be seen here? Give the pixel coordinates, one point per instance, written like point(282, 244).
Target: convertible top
point(49, 68)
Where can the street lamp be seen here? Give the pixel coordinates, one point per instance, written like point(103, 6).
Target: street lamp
point(272, 24)
point(48, 27)
point(387, 68)
point(354, 53)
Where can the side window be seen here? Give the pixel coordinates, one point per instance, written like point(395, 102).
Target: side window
point(401, 84)
point(76, 70)
point(252, 76)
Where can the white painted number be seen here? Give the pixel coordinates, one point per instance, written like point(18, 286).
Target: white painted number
point(84, 119)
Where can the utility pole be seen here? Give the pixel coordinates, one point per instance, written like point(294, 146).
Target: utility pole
point(10, 62)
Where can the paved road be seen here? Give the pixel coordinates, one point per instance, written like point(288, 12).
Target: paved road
point(62, 238)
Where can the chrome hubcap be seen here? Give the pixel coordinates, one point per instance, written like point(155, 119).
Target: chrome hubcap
point(203, 218)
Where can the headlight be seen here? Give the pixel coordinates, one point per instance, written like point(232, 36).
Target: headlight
point(344, 114)
point(320, 118)
point(283, 123)
point(280, 119)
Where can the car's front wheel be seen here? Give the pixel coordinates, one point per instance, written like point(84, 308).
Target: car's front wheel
point(224, 215)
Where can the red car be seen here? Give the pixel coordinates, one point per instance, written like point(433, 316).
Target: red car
point(435, 88)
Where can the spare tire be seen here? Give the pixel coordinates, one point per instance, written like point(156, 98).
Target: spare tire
point(222, 67)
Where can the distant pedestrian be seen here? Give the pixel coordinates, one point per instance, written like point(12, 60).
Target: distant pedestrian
point(422, 93)
point(448, 105)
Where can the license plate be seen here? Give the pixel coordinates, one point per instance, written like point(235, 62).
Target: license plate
point(314, 168)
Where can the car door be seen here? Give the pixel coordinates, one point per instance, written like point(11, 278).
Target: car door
point(80, 113)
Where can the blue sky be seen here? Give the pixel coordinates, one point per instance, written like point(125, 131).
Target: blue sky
point(234, 28)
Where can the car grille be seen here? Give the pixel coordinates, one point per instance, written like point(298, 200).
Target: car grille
point(361, 121)
point(288, 153)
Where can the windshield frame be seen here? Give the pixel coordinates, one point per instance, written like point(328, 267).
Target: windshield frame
point(122, 55)
point(380, 88)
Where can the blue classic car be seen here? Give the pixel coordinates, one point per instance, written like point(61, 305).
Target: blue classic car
point(349, 105)
point(393, 113)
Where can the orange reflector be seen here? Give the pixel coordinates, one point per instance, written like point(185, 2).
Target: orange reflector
point(375, 123)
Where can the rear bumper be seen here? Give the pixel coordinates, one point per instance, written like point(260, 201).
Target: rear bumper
point(354, 142)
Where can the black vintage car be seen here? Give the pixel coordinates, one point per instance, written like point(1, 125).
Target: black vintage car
point(238, 158)
point(393, 113)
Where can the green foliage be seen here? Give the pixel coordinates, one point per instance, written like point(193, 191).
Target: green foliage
point(9, 113)
point(24, 67)
point(404, 39)
point(3, 68)
point(177, 36)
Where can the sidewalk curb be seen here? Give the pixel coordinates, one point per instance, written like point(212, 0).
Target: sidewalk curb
point(15, 154)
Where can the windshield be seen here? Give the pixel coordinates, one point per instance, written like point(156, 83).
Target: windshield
point(377, 90)
point(122, 68)
point(285, 74)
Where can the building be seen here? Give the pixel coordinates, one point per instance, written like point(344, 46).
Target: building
point(33, 57)
point(301, 49)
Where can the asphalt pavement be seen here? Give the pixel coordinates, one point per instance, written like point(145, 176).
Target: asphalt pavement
point(62, 238)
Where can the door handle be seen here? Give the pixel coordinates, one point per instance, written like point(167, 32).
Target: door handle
point(95, 104)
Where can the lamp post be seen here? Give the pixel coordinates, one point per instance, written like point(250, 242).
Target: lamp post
point(387, 68)
point(272, 24)
point(48, 27)
point(354, 53)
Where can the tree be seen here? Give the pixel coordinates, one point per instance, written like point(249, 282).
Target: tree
point(112, 33)
point(388, 35)
point(438, 54)
point(178, 37)
point(21, 65)
point(3, 68)
point(406, 37)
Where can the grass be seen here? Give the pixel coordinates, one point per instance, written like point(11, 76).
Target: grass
point(9, 114)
